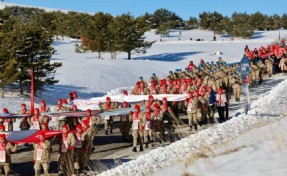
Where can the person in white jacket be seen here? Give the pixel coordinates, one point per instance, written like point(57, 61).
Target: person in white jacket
point(220, 104)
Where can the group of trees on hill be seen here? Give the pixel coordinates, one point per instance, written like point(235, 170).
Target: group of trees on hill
point(25, 44)
point(26, 35)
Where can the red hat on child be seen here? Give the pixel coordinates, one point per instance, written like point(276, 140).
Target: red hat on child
point(156, 106)
point(5, 110)
point(79, 126)
point(3, 136)
point(65, 127)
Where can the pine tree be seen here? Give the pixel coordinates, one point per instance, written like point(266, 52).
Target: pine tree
point(8, 74)
point(96, 34)
point(129, 35)
point(31, 47)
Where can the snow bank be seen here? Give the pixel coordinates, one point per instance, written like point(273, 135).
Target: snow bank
point(270, 105)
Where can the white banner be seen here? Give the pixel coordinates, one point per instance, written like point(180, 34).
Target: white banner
point(93, 103)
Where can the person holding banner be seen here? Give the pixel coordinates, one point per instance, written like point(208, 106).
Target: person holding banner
point(24, 125)
point(136, 127)
point(107, 106)
point(8, 122)
point(81, 150)
point(36, 120)
point(42, 151)
point(192, 108)
point(157, 129)
point(92, 121)
point(6, 148)
point(125, 123)
point(66, 143)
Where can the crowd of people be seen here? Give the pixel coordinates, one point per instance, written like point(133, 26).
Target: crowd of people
point(208, 86)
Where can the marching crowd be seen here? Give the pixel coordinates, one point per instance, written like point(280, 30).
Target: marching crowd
point(209, 87)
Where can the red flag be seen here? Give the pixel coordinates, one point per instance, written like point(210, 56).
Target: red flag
point(32, 90)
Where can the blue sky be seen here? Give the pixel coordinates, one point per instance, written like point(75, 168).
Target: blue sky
point(183, 8)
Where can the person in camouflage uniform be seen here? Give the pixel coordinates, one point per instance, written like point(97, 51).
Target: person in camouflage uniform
point(125, 123)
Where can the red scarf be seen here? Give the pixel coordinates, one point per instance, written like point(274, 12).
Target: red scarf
point(36, 118)
point(148, 114)
point(153, 89)
point(23, 111)
point(88, 118)
point(108, 106)
point(43, 108)
point(157, 112)
point(64, 136)
point(136, 115)
point(164, 107)
point(3, 146)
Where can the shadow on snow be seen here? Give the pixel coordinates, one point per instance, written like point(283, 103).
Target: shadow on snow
point(168, 57)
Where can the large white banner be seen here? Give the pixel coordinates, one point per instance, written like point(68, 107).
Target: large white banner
point(93, 103)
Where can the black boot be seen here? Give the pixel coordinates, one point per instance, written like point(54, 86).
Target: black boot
point(111, 131)
point(134, 149)
point(106, 132)
point(146, 145)
point(141, 148)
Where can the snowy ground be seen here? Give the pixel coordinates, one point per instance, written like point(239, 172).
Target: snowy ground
point(261, 151)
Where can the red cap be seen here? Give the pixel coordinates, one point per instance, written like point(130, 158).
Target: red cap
point(125, 92)
point(125, 104)
point(150, 97)
point(43, 101)
point(5, 110)
point(3, 136)
point(164, 99)
point(65, 101)
point(137, 107)
point(65, 127)
point(156, 106)
point(108, 99)
point(74, 106)
point(75, 94)
point(45, 124)
point(220, 90)
point(60, 100)
point(23, 105)
point(89, 110)
point(148, 107)
point(37, 110)
point(79, 126)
